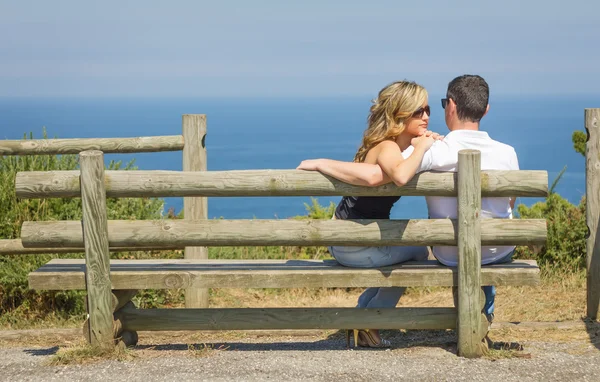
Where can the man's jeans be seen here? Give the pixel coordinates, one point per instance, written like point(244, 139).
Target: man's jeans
point(375, 257)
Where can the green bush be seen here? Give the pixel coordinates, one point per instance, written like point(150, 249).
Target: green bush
point(14, 292)
point(565, 249)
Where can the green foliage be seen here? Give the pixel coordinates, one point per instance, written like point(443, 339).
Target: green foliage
point(317, 211)
point(565, 249)
point(579, 140)
point(15, 296)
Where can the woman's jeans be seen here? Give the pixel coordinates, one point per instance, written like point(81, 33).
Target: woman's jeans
point(375, 257)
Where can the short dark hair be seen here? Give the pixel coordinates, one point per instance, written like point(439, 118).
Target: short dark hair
point(471, 94)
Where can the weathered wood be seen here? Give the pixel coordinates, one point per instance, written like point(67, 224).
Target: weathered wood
point(95, 229)
point(592, 194)
point(124, 337)
point(62, 184)
point(195, 208)
point(469, 253)
point(288, 318)
point(77, 145)
point(120, 297)
point(68, 274)
point(158, 233)
point(15, 247)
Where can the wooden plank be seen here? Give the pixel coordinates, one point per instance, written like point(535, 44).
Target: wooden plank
point(159, 233)
point(15, 247)
point(95, 228)
point(592, 193)
point(68, 274)
point(195, 208)
point(287, 318)
point(77, 145)
point(469, 253)
point(62, 184)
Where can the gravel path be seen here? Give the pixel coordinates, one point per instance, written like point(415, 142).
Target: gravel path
point(318, 359)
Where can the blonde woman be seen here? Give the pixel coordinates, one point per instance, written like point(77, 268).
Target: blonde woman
point(399, 118)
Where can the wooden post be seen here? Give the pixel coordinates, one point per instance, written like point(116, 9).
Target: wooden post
point(97, 259)
point(194, 159)
point(469, 253)
point(592, 197)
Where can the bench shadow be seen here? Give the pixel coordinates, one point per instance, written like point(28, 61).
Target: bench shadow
point(42, 352)
point(443, 339)
point(592, 327)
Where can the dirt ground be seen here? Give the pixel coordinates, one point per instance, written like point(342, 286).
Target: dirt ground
point(551, 352)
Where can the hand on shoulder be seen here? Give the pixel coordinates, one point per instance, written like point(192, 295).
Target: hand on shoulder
point(426, 140)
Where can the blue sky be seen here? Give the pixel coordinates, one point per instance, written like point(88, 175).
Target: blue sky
point(300, 48)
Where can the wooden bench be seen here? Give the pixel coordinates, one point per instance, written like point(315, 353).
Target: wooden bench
point(111, 284)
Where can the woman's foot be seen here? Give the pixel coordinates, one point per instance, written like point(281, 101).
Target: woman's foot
point(370, 338)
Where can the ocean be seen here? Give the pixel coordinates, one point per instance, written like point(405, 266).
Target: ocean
point(278, 133)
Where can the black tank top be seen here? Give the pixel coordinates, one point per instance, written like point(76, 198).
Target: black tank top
point(365, 207)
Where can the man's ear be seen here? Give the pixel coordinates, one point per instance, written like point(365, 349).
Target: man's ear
point(452, 103)
point(487, 108)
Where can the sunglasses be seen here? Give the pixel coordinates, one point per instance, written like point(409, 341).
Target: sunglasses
point(420, 111)
point(445, 102)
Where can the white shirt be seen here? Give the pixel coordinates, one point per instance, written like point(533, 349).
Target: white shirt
point(443, 156)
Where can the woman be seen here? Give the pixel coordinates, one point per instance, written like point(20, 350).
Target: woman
point(399, 118)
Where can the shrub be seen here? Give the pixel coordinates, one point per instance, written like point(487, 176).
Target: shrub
point(565, 249)
point(14, 291)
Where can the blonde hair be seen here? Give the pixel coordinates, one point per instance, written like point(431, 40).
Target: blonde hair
point(394, 105)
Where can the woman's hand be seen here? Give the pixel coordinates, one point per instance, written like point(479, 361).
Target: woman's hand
point(435, 136)
point(309, 165)
point(423, 142)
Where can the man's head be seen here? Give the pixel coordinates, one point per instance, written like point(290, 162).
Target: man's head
point(466, 101)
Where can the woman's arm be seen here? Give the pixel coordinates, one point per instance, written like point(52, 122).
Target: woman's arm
point(391, 166)
point(358, 174)
point(398, 169)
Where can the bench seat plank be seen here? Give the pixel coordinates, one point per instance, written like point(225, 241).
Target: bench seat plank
point(68, 274)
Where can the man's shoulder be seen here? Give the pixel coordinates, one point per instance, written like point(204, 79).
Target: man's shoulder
point(501, 146)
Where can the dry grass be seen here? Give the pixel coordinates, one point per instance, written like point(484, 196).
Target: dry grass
point(82, 353)
point(557, 299)
point(203, 350)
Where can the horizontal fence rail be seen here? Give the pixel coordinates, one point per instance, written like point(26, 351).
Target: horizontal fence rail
point(77, 145)
point(159, 233)
point(15, 247)
point(287, 318)
point(61, 184)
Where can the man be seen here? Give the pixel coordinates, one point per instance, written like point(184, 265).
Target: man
point(465, 104)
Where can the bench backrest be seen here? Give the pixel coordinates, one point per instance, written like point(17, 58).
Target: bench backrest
point(175, 233)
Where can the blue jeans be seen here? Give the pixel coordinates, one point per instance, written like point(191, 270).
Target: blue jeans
point(490, 290)
point(375, 257)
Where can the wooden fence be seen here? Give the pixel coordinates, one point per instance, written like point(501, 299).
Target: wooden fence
point(97, 234)
point(192, 142)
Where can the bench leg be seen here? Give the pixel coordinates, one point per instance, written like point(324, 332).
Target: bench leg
point(121, 300)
